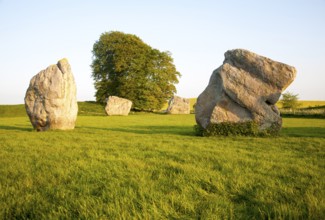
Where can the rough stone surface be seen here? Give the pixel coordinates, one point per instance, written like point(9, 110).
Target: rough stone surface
point(118, 106)
point(245, 88)
point(50, 99)
point(178, 105)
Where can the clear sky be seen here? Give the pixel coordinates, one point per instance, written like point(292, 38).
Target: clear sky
point(35, 34)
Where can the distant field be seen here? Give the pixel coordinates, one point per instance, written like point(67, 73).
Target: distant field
point(95, 109)
point(303, 104)
point(84, 108)
point(12, 110)
point(306, 104)
point(151, 166)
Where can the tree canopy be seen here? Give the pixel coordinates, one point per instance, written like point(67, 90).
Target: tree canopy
point(290, 101)
point(123, 65)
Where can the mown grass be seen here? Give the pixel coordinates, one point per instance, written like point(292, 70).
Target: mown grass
point(152, 166)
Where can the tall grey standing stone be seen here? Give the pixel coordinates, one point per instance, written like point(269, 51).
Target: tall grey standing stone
point(178, 105)
point(118, 106)
point(245, 88)
point(50, 99)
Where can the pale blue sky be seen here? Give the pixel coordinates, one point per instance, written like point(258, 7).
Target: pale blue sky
point(35, 34)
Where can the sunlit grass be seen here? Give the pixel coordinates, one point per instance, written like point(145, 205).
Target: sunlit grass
point(152, 166)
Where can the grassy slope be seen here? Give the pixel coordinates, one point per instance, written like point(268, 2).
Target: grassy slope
point(152, 166)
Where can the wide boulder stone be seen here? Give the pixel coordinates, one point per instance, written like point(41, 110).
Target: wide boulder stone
point(178, 105)
point(245, 88)
point(50, 99)
point(118, 106)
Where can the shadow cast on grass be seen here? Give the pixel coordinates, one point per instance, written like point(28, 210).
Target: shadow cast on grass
point(313, 132)
point(15, 128)
point(173, 130)
point(303, 132)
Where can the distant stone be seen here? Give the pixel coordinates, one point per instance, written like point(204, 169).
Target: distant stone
point(50, 99)
point(245, 88)
point(118, 106)
point(178, 105)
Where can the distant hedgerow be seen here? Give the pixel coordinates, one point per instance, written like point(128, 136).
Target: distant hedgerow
point(249, 128)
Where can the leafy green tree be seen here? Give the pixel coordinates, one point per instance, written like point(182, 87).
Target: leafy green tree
point(290, 101)
point(123, 65)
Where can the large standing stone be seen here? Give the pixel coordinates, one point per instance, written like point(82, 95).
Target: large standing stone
point(245, 88)
point(178, 105)
point(118, 106)
point(50, 99)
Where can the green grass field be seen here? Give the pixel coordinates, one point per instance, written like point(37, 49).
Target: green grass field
point(152, 166)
